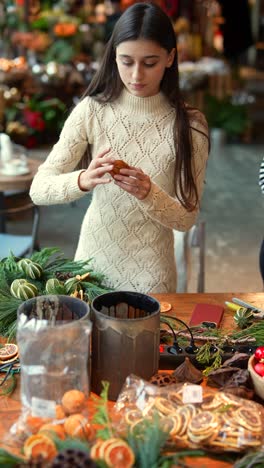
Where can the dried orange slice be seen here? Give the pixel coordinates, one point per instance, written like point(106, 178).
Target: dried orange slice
point(165, 307)
point(8, 351)
point(40, 446)
point(105, 444)
point(95, 450)
point(119, 455)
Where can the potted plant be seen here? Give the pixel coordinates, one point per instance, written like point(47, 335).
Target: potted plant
point(226, 120)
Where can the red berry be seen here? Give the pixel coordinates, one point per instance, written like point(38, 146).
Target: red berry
point(259, 353)
point(259, 368)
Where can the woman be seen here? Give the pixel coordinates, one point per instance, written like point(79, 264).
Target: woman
point(132, 111)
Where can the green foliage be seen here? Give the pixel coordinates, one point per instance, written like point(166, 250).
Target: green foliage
point(7, 459)
point(147, 441)
point(221, 113)
point(52, 110)
point(101, 415)
point(251, 460)
point(60, 51)
point(53, 263)
point(206, 357)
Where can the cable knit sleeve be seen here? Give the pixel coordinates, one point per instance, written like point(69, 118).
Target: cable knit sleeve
point(56, 181)
point(168, 210)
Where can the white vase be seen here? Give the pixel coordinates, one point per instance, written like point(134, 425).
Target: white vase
point(217, 137)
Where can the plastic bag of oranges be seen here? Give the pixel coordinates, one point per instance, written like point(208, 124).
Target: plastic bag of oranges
point(53, 336)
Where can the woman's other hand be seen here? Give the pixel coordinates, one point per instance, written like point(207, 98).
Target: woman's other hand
point(94, 174)
point(134, 181)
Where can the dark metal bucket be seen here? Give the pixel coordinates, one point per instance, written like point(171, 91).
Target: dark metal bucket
point(125, 339)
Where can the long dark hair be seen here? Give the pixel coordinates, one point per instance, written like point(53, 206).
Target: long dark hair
point(148, 21)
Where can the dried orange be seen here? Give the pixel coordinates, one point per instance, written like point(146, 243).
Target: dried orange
point(119, 455)
point(118, 164)
point(76, 425)
point(60, 413)
point(34, 423)
point(53, 429)
point(40, 445)
point(73, 401)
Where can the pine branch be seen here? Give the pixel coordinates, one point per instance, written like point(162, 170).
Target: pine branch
point(251, 460)
point(71, 443)
point(101, 415)
point(147, 441)
point(7, 459)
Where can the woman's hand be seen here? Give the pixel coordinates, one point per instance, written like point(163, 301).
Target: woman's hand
point(134, 181)
point(94, 174)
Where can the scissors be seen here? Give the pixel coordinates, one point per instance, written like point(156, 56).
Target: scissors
point(9, 368)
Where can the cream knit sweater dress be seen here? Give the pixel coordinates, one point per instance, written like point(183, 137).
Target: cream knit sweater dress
point(129, 240)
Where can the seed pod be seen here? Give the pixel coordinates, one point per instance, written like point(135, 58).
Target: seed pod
point(243, 317)
point(22, 289)
point(71, 284)
point(54, 286)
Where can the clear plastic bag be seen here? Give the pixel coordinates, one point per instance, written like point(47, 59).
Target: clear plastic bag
point(53, 336)
point(192, 415)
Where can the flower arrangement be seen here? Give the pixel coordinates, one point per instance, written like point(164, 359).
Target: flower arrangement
point(35, 120)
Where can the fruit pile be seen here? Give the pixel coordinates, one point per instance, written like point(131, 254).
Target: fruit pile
point(48, 435)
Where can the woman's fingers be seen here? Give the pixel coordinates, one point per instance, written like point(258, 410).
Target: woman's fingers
point(101, 155)
point(134, 181)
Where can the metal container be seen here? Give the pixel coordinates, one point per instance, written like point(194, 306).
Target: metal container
point(125, 339)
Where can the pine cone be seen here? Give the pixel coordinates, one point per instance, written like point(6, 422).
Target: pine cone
point(63, 276)
point(73, 458)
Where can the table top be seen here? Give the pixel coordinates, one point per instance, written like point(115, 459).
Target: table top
point(182, 306)
point(20, 182)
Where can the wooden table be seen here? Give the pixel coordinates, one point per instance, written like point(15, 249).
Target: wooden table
point(182, 306)
point(16, 183)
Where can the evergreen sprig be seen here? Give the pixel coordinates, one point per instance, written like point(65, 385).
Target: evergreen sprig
point(7, 459)
point(101, 416)
point(147, 442)
point(251, 460)
point(53, 262)
point(205, 356)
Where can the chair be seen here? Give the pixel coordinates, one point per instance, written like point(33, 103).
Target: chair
point(19, 244)
point(189, 251)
